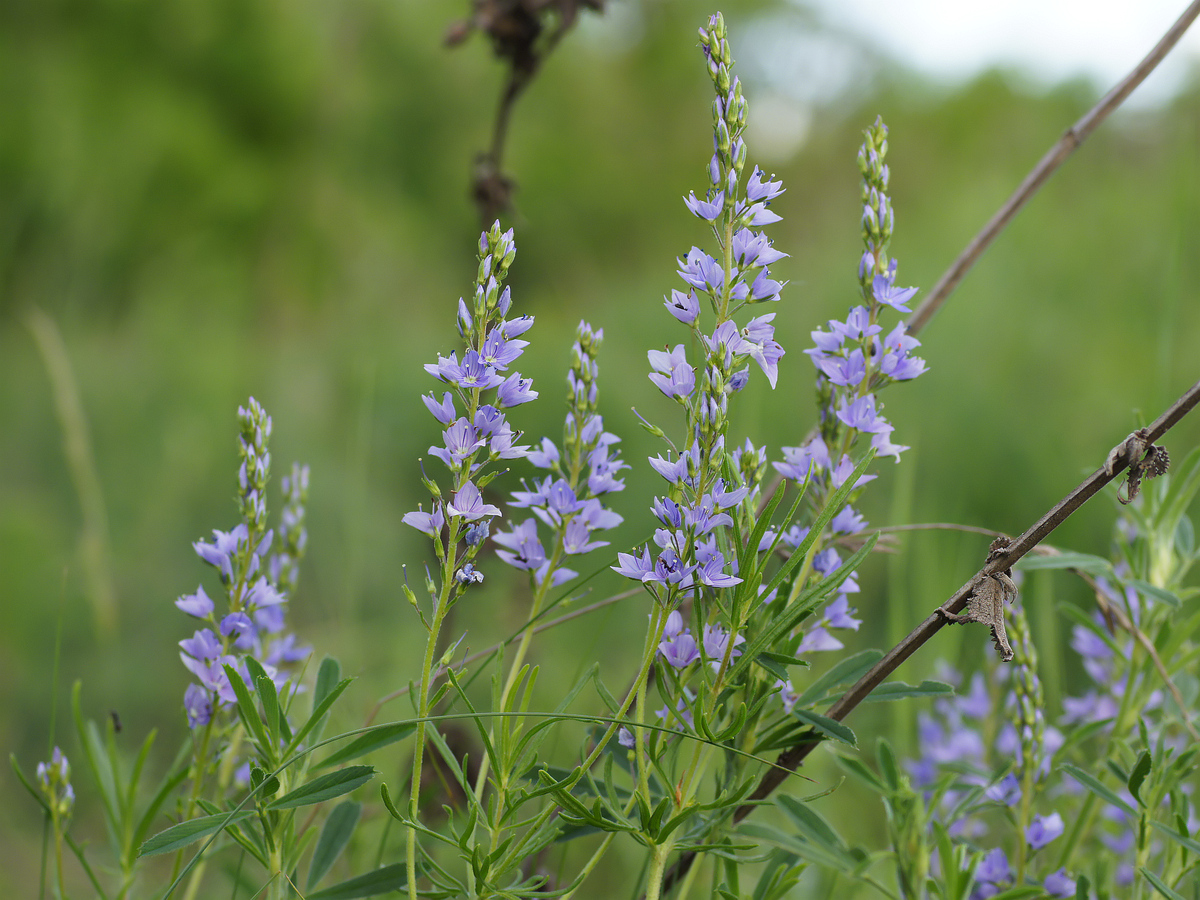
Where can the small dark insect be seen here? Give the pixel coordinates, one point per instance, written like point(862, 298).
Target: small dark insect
point(986, 602)
point(116, 720)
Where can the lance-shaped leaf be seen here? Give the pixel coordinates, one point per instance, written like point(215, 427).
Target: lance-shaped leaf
point(178, 836)
point(325, 787)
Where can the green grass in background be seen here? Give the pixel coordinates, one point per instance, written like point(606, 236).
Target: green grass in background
point(217, 200)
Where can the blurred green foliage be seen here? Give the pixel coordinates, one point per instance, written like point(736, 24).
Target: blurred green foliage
point(222, 198)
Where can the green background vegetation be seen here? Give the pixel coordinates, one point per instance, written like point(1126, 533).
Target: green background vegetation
point(214, 199)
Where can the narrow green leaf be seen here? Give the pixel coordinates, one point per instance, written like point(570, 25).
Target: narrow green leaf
point(605, 694)
point(831, 728)
point(335, 835)
point(249, 714)
point(97, 760)
point(1140, 770)
point(386, 797)
point(179, 836)
point(378, 736)
point(325, 787)
point(1101, 791)
point(1162, 595)
point(1158, 884)
point(898, 690)
point(380, 881)
point(810, 823)
point(862, 772)
point(886, 758)
point(1181, 839)
point(268, 695)
point(165, 790)
point(1085, 562)
point(316, 723)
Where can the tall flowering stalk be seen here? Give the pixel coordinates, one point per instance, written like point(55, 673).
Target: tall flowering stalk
point(477, 435)
point(709, 570)
point(250, 635)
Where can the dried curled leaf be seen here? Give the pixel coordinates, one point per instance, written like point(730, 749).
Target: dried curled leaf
point(985, 604)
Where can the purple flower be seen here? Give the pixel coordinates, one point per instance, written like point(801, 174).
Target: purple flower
point(858, 325)
point(762, 346)
point(861, 415)
point(476, 534)
point(625, 737)
point(752, 249)
point(708, 210)
point(197, 604)
point(883, 445)
point(896, 363)
point(429, 522)
point(284, 650)
point(515, 390)
point(994, 868)
point(684, 307)
point(817, 639)
point(716, 642)
point(680, 651)
point(1007, 790)
point(547, 457)
point(638, 568)
point(576, 535)
point(238, 626)
point(559, 502)
point(839, 614)
point(468, 574)
point(884, 290)
point(472, 373)
point(597, 516)
point(197, 703)
point(676, 472)
point(498, 351)
point(847, 522)
point(712, 573)
point(845, 372)
point(759, 190)
point(444, 411)
point(524, 548)
point(701, 271)
point(672, 374)
point(202, 645)
point(797, 460)
point(764, 288)
point(673, 625)
point(461, 442)
point(756, 214)
point(1044, 829)
point(844, 470)
point(224, 547)
point(468, 503)
point(1059, 884)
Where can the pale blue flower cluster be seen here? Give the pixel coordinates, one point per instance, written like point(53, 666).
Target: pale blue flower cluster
point(565, 501)
point(483, 387)
point(54, 779)
point(256, 583)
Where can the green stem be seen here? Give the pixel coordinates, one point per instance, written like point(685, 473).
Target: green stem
point(439, 615)
point(514, 670)
point(658, 861)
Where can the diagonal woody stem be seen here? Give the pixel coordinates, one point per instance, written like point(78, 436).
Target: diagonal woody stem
point(791, 758)
point(1047, 166)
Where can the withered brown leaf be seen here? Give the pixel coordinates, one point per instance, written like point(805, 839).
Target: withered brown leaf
point(985, 605)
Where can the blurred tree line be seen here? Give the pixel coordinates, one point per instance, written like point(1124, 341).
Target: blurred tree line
point(221, 198)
